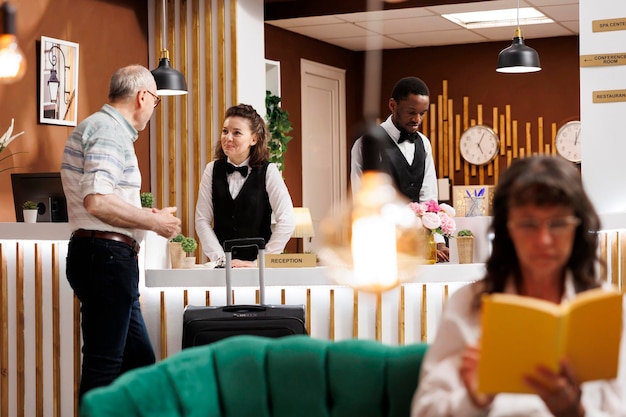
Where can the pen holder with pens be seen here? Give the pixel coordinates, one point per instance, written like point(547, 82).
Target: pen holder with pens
point(474, 204)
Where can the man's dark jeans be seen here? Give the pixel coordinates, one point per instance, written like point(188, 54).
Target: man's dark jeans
point(104, 275)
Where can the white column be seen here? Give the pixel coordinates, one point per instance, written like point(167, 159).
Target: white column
point(603, 133)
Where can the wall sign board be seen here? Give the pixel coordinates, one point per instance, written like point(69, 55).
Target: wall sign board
point(609, 96)
point(601, 60)
point(608, 25)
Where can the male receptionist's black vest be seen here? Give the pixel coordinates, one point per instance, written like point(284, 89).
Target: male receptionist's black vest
point(407, 178)
point(248, 215)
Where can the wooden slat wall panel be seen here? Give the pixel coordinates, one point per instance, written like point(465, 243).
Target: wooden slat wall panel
point(444, 128)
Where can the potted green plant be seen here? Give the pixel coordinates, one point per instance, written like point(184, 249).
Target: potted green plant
point(30, 211)
point(147, 199)
point(176, 251)
point(188, 245)
point(465, 246)
point(278, 125)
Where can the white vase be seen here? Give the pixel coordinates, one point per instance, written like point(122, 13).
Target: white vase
point(189, 262)
point(30, 216)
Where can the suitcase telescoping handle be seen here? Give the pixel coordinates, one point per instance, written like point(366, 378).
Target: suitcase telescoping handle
point(259, 244)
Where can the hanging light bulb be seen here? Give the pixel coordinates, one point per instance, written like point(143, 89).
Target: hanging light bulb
point(518, 58)
point(12, 60)
point(374, 244)
point(169, 81)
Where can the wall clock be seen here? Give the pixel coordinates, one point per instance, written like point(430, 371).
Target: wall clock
point(568, 142)
point(479, 145)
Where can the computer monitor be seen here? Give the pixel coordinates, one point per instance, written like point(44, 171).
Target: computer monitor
point(46, 190)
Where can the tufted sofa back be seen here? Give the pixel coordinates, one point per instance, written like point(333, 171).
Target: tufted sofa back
point(244, 376)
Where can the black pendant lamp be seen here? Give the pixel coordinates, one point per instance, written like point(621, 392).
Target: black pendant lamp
point(169, 81)
point(518, 58)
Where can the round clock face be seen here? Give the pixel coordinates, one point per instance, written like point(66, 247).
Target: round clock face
point(568, 142)
point(479, 145)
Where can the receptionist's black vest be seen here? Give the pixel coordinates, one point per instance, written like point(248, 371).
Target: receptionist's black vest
point(407, 178)
point(248, 215)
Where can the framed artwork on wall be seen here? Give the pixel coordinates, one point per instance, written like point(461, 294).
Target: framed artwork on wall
point(58, 83)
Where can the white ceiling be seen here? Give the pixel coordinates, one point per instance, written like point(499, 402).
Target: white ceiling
point(424, 26)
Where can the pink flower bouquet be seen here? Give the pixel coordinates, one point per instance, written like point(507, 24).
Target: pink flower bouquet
point(438, 218)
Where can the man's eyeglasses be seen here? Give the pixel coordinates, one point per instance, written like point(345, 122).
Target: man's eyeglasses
point(157, 99)
point(556, 225)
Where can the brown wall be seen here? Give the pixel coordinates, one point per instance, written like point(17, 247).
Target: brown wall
point(288, 48)
point(552, 93)
point(110, 34)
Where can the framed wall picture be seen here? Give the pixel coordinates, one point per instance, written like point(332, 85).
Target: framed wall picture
point(58, 84)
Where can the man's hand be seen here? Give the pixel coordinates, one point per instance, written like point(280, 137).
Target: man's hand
point(167, 225)
point(443, 253)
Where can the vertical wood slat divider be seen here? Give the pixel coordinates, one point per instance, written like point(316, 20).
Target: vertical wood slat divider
point(444, 298)
point(19, 331)
point(379, 317)
point(444, 129)
point(77, 357)
point(183, 127)
point(457, 155)
point(553, 135)
point(540, 131)
point(401, 318)
point(529, 147)
point(197, 105)
point(56, 332)
point(207, 298)
point(438, 154)
point(233, 55)
point(507, 116)
point(38, 331)
point(355, 315)
point(163, 327)
point(331, 334)
point(466, 172)
point(159, 143)
point(308, 310)
point(451, 140)
point(515, 139)
point(221, 60)
point(479, 120)
point(208, 96)
point(423, 316)
point(283, 297)
point(4, 336)
point(185, 298)
point(171, 110)
point(257, 296)
point(432, 128)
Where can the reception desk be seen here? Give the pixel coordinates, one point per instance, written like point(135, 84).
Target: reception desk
point(40, 337)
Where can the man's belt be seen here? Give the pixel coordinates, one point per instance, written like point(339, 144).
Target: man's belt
point(97, 234)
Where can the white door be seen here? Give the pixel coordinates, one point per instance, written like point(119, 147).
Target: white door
point(324, 160)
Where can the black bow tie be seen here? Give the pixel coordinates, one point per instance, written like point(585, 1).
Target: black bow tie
point(404, 135)
point(243, 170)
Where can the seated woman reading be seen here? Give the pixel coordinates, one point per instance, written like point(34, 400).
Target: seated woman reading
point(544, 246)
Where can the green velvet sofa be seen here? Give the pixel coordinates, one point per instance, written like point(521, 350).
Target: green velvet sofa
point(245, 376)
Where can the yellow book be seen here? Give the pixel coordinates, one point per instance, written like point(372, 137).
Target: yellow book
point(519, 333)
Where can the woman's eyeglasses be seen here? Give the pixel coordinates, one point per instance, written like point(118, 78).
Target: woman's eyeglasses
point(555, 225)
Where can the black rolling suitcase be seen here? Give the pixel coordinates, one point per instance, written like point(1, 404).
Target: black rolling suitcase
point(204, 325)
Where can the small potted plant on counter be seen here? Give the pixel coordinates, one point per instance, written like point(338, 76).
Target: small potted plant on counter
point(176, 251)
point(188, 245)
point(30, 210)
point(465, 245)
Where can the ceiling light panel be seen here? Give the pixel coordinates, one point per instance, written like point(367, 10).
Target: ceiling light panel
point(498, 18)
